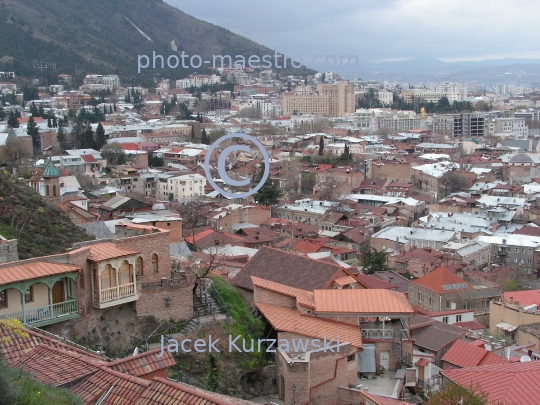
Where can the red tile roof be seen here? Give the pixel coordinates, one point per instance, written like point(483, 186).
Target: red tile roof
point(107, 250)
point(129, 146)
point(514, 383)
point(56, 366)
point(28, 271)
point(124, 388)
point(462, 354)
point(164, 392)
point(290, 320)
point(361, 302)
point(20, 344)
point(441, 276)
point(470, 325)
point(144, 363)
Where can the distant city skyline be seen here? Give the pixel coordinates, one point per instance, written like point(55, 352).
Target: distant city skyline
point(381, 31)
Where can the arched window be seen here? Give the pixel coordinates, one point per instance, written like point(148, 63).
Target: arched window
point(54, 190)
point(139, 266)
point(108, 277)
point(126, 274)
point(155, 263)
point(47, 191)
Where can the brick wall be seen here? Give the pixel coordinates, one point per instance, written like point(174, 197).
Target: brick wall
point(396, 172)
point(152, 302)
point(147, 245)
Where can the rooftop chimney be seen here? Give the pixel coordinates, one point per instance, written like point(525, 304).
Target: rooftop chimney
point(511, 300)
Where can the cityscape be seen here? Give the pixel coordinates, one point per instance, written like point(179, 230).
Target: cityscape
point(194, 218)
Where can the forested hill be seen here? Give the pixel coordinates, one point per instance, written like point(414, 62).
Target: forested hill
point(106, 37)
point(40, 226)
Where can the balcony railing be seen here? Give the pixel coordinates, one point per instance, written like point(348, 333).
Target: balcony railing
point(116, 293)
point(42, 314)
point(378, 334)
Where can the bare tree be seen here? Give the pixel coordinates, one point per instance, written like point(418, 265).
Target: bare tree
point(13, 152)
point(192, 214)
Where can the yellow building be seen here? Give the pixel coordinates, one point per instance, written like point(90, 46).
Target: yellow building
point(333, 100)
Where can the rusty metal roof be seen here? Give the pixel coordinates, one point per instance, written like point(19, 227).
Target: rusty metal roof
point(107, 250)
point(33, 270)
point(361, 302)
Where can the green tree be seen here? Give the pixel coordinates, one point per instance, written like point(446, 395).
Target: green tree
point(269, 193)
point(452, 393)
point(346, 156)
point(41, 111)
point(12, 120)
point(510, 284)
point(100, 137)
point(192, 133)
point(61, 139)
point(321, 146)
point(49, 123)
point(33, 131)
point(87, 139)
point(154, 160)
point(113, 153)
point(374, 261)
point(2, 114)
point(54, 122)
point(34, 110)
point(204, 138)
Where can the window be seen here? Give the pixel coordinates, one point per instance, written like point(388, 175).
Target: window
point(458, 318)
point(420, 297)
point(447, 304)
point(3, 299)
point(29, 295)
point(445, 319)
point(154, 263)
point(351, 357)
point(126, 273)
point(517, 250)
point(430, 302)
point(108, 277)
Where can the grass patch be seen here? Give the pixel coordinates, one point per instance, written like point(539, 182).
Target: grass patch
point(18, 388)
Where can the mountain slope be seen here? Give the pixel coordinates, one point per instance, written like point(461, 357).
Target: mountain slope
point(105, 36)
point(40, 226)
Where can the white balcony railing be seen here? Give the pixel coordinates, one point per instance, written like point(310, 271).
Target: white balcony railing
point(41, 314)
point(116, 293)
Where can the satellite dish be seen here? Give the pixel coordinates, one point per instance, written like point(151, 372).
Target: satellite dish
point(525, 358)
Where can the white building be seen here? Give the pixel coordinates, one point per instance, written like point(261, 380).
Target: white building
point(181, 188)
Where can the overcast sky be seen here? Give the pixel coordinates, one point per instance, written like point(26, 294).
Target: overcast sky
point(382, 30)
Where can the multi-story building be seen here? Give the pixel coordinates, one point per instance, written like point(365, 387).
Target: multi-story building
point(443, 290)
point(182, 188)
point(428, 96)
point(374, 119)
point(510, 126)
point(515, 251)
point(333, 100)
point(464, 124)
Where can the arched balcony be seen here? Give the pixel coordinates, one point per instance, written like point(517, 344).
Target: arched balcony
point(114, 282)
point(41, 301)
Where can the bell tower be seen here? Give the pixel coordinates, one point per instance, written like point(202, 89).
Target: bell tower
point(51, 180)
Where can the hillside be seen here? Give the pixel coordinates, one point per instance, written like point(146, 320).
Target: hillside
point(105, 37)
point(40, 226)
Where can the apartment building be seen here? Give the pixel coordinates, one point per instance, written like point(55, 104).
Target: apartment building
point(333, 100)
point(181, 188)
point(465, 124)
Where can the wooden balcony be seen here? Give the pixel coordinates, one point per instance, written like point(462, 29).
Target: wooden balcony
point(59, 312)
point(115, 296)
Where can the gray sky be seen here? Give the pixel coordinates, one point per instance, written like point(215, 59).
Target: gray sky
point(382, 30)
